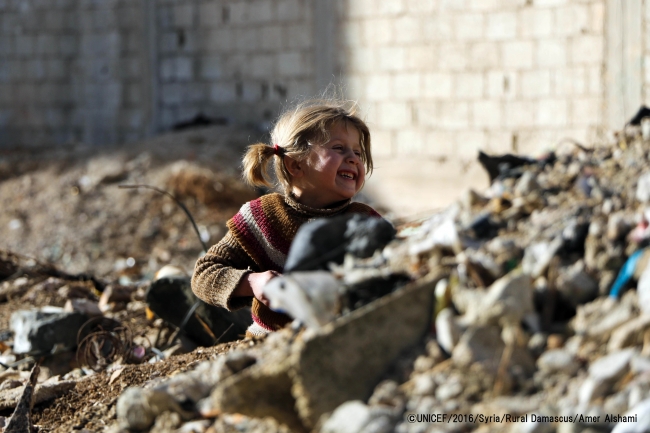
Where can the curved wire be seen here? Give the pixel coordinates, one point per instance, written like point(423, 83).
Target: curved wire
point(178, 202)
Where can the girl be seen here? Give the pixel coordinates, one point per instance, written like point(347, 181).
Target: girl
point(320, 156)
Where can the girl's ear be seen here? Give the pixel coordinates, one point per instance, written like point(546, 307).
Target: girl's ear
point(294, 167)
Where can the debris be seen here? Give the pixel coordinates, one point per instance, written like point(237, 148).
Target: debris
point(21, 419)
point(39, 331)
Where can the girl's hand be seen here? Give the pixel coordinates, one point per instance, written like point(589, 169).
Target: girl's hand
point(253, 285)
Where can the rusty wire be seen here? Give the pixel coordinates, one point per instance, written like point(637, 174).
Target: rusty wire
point(102, 341)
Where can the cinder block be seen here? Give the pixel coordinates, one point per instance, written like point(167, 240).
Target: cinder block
point(503, 85)
point(552, 112)
point(246, 40)
point(408, 29)
point(167, 66)
point(5, 73)
point(68, 45)
point(407, 86)
point(5, 92)
point(364, 60)
point(487, 114)
point(498, 141)
point(570, 81)
point(420, 6)
point(535, 83)
point(261, 12)
point(520, 114)
point(587, 49)
point(36, 69)
point(183, 15)
point(382, 142)
point(184, 68)
point(572, 20)
point(410, 142)
point(238, 12)
point(7, 45)
point(165, 17)
point(587, 111)
point(439, 27)
point(597, 17)
point(440, 144)
point(220, 40)
point(437, 85)
point(394, 114)
point(132, 67)
point(271, 37)
point(454, 115)
point(482, 5)
point(468, 144)
point(300, 88)
point(298, 36)
point(210, 13)
point(389, 8)
point(46, 45)
point(518, 54)
point(468, 85)
point(262, 66)
point(133, 94)
point(378, 88)
point(55, 20)
point(453, 57)
point(377, 31)
point(391, 58)
point(171, 93)
point(291, 10)
point(426, 114)
point(551, 53)
point(211, 67)
point(17, 69)
point(55, 69)
point(25, 45)
point(546, 3)
point(421, 57)
point(223, 92)
point(469, 26)
point(484, 56)
point(536, 22)
point(291, 64)
point(501, 26)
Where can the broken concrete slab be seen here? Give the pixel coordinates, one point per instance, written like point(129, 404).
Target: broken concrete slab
point(38, 331)
point(346, 360)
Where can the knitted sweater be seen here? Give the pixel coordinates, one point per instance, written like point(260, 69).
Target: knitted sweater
point(258, 240)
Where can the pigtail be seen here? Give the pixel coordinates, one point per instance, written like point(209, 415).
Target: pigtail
point(256, 164)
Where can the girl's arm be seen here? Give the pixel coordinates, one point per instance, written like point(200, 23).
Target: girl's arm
point(224, 276)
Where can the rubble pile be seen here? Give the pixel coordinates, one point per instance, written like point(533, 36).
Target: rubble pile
point(519, 308)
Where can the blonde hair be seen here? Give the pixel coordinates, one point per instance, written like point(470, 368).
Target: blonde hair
point(296, 130)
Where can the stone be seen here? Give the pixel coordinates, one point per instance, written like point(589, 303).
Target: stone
point(643, 291)
point(312, 297)
point(628, 334)
point(508, 300)
point(575, 285)
point(39, 331)
point(603, 374)
point(350, 417)
point(138, 408)
point(526, 184)
point(447, 331)
point(558, 361)
point(21, 419)
point(640, 424)
point(330, 369)
point(643, 188)
point(326, 240)
point(479, 344)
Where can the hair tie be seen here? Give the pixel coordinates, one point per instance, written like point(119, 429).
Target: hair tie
point(277, 150)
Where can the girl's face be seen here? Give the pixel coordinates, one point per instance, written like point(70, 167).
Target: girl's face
point(332, 172)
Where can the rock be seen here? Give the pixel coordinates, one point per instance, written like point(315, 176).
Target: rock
point(330, 369)
point(630, 333)
point(172, 298)
point(21, 419)
point(447, 331)
point(603, 374)
point(326, 240)
point(45, 391)
point(508, 300)
point(638, 421)
point(137, 408)
point(449, 389)
point(350, 417)
point(312, 297)
point(479, 344)
point(575, 285)
point(83, 306)
point(38, 331)
point(526, 184)
point(643, 188)
point(643, 291)
point(558, 361)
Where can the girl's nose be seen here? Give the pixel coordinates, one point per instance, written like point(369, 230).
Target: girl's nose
point(353, 158)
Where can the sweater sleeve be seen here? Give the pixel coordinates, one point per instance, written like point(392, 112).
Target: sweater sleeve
point(218, 272)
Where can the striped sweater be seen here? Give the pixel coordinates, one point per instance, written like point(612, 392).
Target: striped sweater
point(258, 240)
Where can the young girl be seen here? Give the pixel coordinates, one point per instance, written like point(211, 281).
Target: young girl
point(320, 153)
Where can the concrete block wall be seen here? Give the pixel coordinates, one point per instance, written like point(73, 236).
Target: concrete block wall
point(444, 78)
point(237, 60)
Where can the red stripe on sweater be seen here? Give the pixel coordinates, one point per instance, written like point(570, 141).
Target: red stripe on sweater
point(276, 238)
point(252, 246)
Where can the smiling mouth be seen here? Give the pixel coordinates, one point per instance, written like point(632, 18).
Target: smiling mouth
point(347, 175)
